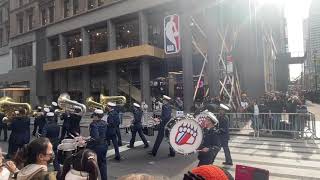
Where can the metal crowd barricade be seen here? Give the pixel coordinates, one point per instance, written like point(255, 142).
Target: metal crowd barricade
point(292, 125)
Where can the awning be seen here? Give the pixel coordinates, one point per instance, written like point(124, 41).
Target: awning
point(121, 54)
point(15, 89)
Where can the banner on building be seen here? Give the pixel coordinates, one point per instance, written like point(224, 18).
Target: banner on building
point(172, 41)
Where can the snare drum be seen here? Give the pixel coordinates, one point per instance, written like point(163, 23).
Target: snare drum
point(184, 135)
point(68, 141)
point(65, 150)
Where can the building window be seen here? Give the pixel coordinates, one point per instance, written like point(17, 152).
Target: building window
point(55, 49)
point(98, 40)
point(20, 3)
point(66, 7)
point(20, 23)
point(127, 33)
point(30, 21)
point(1, 20)
point(91, 4)
point(75, 7)
point(51, 14)
point(100, 2)
point(8, 33)
point(23, 55)
point(43, 17)
point(74, 45)
point(1, 38)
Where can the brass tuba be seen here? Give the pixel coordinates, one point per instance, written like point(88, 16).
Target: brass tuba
point(118, 100)
point(69, 105)
point(92, 105)
point(8, 106)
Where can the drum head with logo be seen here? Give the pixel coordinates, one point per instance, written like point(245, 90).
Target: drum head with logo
point(185, 136)
point(200, 119)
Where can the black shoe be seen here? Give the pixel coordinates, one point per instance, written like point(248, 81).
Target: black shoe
point(128, 146)
point(227, 163)
point(117, 158)
point(120, 144)
point(171, 155)
point(146, 146)
point(151, 153)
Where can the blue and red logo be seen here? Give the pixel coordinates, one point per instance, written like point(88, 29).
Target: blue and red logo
point(172, 42)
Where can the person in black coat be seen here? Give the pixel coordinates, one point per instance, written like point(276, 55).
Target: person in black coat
point(165, 118)
point(224, 135)
point(211, 142)
point(113, 121)
point(51, 130)
point(20, 132)
point(3, 126)
point(65, 117)
point(98, 133)
point(137, 126)
point(75, 118)
point(39, 122)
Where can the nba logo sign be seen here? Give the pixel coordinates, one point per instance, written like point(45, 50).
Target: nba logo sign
point(172, 42)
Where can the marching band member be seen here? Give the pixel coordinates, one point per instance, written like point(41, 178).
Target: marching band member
point(224, 133)
point(20, 132)
point(65, 117)
point(55, 109)
point(75, 118)
point(39, 122)
point(51, 131)
point(113, 122)
point(98, 132)
point(137, 126)
point(165, 118)
point(118, 132)
point(210, 145)
point(4, 127)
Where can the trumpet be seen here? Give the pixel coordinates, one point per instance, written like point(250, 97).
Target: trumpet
point(8, 106)
point(92, 105)
point(69, 105)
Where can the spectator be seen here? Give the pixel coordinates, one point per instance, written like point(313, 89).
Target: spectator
point(142, 177)
point(208, 172)
point(35, 158)
point(81, 166)
point(6, 168)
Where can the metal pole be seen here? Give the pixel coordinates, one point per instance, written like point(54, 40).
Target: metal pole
point(315, 69)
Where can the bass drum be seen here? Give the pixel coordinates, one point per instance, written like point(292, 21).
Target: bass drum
point(184, 135)
point(200, 119)
point(65, 150)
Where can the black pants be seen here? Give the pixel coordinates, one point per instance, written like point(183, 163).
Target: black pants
point(158, 142)
point(207, 158)
point(64, 131)
point(118, 136)
point(13, 148)
point(227, 154)
point(134, 133)
point(113, 138)
point(101, 151)
point(4, 127)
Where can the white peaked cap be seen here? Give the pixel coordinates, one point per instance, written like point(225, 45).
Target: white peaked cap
point(46, 110)
point(111, 104)
point(50, 114)
point(16, 112)
point(136, 105)
point(212, 117)
point(166, 97)
point(39, 107)
point(54, 104)
point(98, 111)
point(224, 107)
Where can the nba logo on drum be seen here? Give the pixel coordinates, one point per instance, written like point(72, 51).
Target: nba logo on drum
point(172, 42)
